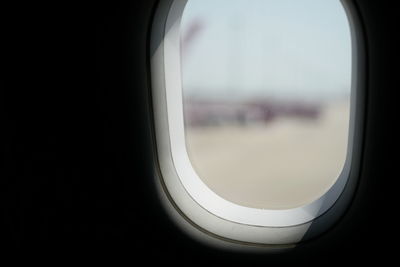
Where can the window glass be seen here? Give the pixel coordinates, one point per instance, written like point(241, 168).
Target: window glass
point(266, 87)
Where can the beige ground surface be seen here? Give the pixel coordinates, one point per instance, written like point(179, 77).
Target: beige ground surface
point(284, 164)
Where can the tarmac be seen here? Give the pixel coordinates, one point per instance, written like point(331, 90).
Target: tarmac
point(284, 164)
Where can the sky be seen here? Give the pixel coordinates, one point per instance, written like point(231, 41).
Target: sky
point(273, 48)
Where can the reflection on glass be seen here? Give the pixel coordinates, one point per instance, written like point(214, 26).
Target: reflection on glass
point(266, 87)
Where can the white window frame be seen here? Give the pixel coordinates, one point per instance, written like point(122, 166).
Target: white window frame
point(190, 199)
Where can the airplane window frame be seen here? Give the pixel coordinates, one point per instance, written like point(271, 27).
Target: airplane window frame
point(195, 206)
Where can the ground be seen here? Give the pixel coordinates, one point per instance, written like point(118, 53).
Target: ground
point(283, 164)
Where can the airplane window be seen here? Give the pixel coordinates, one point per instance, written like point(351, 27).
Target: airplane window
point(258, 116)
point(266, 98)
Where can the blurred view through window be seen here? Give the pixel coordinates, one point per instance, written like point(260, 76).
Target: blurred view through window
point(266, 87)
